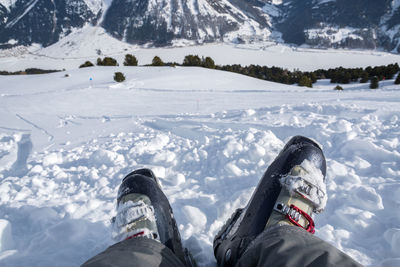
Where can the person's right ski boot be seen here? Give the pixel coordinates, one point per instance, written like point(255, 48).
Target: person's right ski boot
point(292, 188)
point(143, 211)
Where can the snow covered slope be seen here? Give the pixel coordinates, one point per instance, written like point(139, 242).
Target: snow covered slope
point(66, 143)
point(90, 42)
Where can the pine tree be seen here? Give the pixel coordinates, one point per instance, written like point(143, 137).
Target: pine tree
point(157, 61)
point(397, 81)
point(305, 81)
point(374, 83)
point(109, 61)
point(191, 60)
point(119, 77)
point(209, 63)
point(130, 60)
point(364, 77)
point(86, 64)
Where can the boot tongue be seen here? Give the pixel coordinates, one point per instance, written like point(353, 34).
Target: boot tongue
point(303, 192)
point(135, 218)
point(292, 210)
point(307, 181)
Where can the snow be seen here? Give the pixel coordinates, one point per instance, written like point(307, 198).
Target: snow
point(95, 5)
point(91, 42)
point(67, 142)
point(6, 239)
point(395, 4)
point(333, 34)
point(8, 3)
point(320, 2)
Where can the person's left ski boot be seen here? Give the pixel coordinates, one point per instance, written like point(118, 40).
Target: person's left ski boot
point(143, 210)
point(292, 188)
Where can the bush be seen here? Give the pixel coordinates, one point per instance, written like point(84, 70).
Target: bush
point(86, 64)
point(208, 63)
point(192, 60)
point(305, 81)
point(364, 77)
point(28, 71)
point(397, 81)
point(119, 77)
point(338, 87)
point(374, 83)
point(157, 62)
point(130, 60)
point(107, 61)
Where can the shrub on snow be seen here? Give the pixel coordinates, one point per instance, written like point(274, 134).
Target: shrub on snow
point(119, 77)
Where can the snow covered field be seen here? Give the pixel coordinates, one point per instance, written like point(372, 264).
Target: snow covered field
point(66, 143)
point(90, 42)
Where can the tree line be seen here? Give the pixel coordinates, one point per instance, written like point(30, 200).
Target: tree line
point(28, 72)
point(338, 75)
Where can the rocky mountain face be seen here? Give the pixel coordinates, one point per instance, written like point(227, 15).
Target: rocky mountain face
point(160, 22)
point(366, 24)
point(24, 22)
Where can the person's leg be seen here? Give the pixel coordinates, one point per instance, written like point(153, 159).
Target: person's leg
point(138, 252)
point(145, 227)
point(263, 233)
point(292, 246)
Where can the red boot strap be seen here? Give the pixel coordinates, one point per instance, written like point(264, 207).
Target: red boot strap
point(293, 214)
point(311, 226)
point(135, 235)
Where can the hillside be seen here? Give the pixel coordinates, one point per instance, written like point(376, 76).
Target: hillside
point(66, 143)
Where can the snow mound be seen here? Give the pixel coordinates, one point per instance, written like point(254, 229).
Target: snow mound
point(6, 238)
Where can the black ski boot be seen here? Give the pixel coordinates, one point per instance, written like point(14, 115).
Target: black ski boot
point(291, 189)
point(144, 211)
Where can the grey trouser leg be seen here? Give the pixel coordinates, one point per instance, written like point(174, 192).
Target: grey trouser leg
point(292, 246)
point(138, 252)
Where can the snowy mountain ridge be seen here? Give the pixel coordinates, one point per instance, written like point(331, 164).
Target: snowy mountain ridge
point(365, 24)
point(161, 22)
point(95, 6)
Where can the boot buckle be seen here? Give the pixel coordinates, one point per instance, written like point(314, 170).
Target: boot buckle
point(293, 214)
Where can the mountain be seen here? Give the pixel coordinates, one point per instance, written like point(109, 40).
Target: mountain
point(163, 21)
point(365, 24)
point(24, 22)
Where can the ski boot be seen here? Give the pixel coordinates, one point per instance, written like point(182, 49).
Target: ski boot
point(144, 211)
point(292, 188)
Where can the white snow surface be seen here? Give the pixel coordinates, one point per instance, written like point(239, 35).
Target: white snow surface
point(90, 42)
point(95, 5)
point(320, 2)
point(67, 142)
point(333, 34)
point(7, 3)
point(395, 4)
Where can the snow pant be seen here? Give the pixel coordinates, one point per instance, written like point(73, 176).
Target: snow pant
point(277, 246)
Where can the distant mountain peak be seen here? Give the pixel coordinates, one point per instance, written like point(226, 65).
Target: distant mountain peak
point(365, 24)
point(161, 21)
